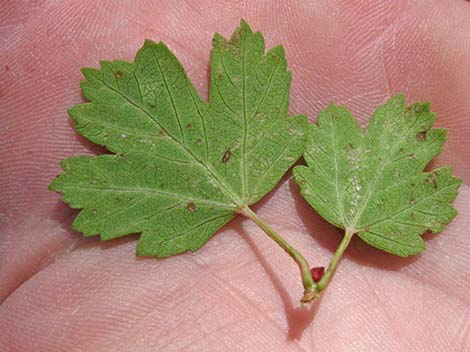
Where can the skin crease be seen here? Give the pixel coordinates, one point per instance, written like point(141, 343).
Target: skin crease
point(61, 292)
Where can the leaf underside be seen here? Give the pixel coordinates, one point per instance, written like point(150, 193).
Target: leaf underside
point(181, 167)
point(372, 183)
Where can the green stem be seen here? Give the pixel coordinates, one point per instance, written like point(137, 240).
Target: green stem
point(329, 273)
point(307, 281)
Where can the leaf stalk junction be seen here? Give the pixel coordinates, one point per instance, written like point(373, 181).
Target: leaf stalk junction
point(312, 290)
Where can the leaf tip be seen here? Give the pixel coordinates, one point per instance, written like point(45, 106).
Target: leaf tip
point(73, 112)
point(53, 185)
point(278, 54)
point(399, 98)
point(331, 106)
point(140, 252)
point(148, 42)
point(244, 25)
point(458, 181)
point(418, 249)
point(89, 73)
point(216, 39)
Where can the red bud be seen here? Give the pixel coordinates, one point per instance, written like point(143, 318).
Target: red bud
point(317, 273)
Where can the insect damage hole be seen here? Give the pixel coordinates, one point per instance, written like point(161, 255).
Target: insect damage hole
point(191, 207)
point(432, 180)
point(426, 232)
point(226, 156)
point(118, 74)
point(421, 136)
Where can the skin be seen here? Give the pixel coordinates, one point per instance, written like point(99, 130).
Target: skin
point(61, 292)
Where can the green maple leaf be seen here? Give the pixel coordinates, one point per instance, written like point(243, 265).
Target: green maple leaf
point(372, 184)
point(181, 167)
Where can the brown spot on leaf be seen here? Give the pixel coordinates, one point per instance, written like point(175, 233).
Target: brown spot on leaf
point(421, 136)
point(226, 156)
point(118, 74)
point(198, 141)
point(432, 179)
point(93, 211)
point(162, 133)
point(191, 207)
point(189, 125)
point(412, 202)
point(235, 38)
point(220, 77)
point(412, 156)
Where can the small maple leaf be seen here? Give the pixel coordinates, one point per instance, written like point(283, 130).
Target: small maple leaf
point(372, 183)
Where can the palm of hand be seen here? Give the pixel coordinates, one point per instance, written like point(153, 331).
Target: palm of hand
point(240, 292)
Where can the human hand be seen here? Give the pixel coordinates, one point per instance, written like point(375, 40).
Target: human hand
point(62, 292)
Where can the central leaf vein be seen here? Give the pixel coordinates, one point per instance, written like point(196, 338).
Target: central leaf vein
point(230, 194)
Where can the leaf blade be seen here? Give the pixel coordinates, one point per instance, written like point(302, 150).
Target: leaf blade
point(182, 166)
point(380, 190)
